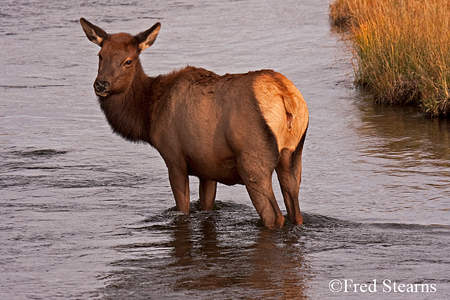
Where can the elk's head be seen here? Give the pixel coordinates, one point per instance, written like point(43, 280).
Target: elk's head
point(118, 57)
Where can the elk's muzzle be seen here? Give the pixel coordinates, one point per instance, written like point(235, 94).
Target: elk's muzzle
point(101, 88)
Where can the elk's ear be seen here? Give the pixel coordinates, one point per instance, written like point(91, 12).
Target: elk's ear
point(94, 34)
point(148, 37)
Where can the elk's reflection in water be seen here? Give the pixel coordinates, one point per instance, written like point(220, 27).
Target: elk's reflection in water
point(211, 253)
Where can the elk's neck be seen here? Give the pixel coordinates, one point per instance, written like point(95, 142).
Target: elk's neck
point(129, 113)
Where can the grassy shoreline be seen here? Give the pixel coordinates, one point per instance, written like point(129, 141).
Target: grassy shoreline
point(401, 49)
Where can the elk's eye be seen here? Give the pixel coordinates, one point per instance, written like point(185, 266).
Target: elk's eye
point(100, 57)
point(127, 63)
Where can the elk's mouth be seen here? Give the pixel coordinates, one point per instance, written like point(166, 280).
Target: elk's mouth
point(103, 94)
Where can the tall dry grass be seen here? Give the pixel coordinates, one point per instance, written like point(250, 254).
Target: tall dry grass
point(401, 49)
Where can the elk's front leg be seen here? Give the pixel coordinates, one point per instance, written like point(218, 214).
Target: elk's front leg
point(207, 193)
point(179, 182)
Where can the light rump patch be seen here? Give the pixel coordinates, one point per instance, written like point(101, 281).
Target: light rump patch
point(283, 108)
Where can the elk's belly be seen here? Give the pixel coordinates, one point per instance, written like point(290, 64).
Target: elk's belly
point(221, 170)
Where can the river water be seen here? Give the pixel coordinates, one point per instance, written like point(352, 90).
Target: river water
point(87, 215)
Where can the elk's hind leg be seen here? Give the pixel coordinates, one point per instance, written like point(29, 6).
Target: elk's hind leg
point(264, 201)
point(259, 187)
point(289, 171)
point(207, 193)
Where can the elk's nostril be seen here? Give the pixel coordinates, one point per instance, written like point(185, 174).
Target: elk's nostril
point(101, 86)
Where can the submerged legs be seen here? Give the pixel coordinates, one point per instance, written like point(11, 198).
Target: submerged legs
point(207, 193)
point(179, 182)
point(289, 171)
point(257, 178)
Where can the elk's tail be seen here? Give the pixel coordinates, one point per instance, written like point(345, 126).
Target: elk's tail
point(283, 108)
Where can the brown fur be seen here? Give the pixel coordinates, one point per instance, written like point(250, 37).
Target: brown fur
point(236, 128)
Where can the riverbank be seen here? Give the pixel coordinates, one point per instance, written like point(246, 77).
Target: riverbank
point(401, 50)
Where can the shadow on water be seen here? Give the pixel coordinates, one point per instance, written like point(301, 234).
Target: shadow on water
point(224, 255)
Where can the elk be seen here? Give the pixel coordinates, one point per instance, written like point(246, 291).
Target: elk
point(231, 129)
